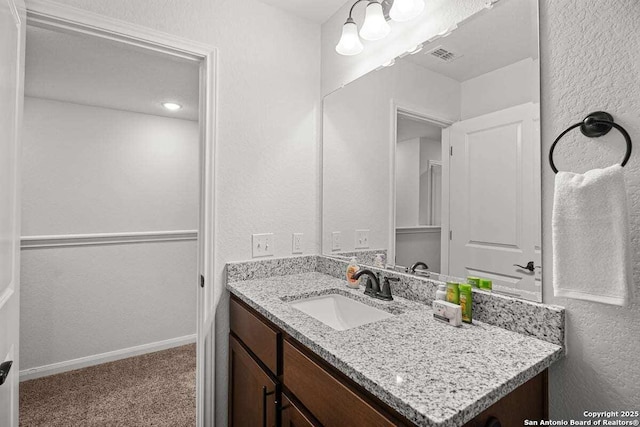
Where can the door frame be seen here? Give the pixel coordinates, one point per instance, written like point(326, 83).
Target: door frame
point(45, 14)
point(10, 295)
point(419, 113)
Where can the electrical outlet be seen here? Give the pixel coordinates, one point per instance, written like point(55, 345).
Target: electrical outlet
point(362, 239)
point(336, 241)
point(296, 246)
point(262, 245)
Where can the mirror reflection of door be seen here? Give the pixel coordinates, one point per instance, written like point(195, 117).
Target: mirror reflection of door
point(418, 191)
point(494, 216)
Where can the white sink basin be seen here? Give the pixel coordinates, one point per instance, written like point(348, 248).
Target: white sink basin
point(339, 312)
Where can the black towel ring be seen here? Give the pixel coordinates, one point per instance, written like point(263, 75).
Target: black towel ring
point(594, 125)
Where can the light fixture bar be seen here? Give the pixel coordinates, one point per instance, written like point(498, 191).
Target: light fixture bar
point(375, 25)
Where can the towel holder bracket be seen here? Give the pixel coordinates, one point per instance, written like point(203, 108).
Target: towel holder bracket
point(593, 125)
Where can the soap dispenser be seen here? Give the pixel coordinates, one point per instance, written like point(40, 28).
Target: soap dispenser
point(351, 270)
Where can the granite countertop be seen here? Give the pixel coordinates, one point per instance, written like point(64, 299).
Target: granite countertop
point(432, 373)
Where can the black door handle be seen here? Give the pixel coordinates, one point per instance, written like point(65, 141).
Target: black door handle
point(529, 266)
point(5, 367)
point(264, 404)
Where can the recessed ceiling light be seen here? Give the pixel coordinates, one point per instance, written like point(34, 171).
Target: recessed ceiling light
point(389, 63)
point(171, 106)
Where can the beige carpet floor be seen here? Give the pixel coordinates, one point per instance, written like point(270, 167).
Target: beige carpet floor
point(155, 389)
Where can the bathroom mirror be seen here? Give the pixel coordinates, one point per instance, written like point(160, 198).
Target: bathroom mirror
point(436, 157)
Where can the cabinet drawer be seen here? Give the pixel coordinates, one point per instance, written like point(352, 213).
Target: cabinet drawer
point(327, 398)
point(261, 339)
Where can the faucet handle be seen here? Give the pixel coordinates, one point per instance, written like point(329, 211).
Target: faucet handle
point(385, 293)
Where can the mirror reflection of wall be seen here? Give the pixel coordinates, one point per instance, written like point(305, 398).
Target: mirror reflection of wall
point(438, 155)
point(418, 190)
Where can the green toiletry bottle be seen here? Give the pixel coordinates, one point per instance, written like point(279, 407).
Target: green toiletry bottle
point(466, 302)
point(486, 284)
point(453, 292)
point(473, 281)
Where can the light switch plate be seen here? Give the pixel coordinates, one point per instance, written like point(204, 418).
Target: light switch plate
point(362, 239)
point(262, 245)
point(336, 241)
point(297, 244)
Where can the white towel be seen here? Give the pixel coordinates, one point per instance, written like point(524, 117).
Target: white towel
point(591, 245)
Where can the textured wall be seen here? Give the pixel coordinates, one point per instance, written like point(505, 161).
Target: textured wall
point(590, 58)
point(268, 118)
point(98, 170)
point(84, 301)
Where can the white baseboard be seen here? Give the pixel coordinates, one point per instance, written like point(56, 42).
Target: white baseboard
point(97, 359)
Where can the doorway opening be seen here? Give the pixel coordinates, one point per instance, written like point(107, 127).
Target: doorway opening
point(118, 197)
point(419, 153)
point(418, 191)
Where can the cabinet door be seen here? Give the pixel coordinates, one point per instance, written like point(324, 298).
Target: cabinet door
point(293, 416)
point(527, 402)
point(252, 393)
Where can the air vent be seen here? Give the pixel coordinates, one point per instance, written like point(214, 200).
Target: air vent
point(444, 54)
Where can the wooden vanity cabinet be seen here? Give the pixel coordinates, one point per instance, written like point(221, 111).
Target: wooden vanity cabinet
point(294, 415)
point(527, 402)
point(252, 392)
point(276, 381)
point(329, 398)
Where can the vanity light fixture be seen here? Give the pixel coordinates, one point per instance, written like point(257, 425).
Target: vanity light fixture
point(171, 106)
point(375, 26)
point(406, 10)
point(350, 43)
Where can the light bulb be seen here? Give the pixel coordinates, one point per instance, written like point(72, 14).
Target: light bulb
point(405, 10)
point(349, 43)
point(375, 27)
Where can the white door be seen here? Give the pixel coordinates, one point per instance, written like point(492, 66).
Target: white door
point(12, 36)
point(494, 218)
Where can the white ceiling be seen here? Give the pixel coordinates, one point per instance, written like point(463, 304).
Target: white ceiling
point(505, 34)
point(317, 11)
point(94, 71)
point(410, 128)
